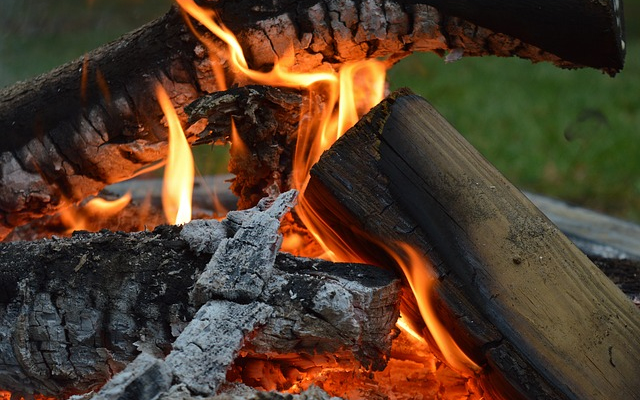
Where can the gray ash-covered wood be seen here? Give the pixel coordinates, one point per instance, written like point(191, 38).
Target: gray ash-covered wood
point(516, 294)
point(75, 311)
point(95, 121)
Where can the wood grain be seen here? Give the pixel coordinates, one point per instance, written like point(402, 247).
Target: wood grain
point(406, 174)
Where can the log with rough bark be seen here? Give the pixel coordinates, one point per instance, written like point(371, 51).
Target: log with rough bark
point(94, 121)
point(517, 295)
point(75, 311)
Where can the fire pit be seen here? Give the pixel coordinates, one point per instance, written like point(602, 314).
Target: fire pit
point(495, 301)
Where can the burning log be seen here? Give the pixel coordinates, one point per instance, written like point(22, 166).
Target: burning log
point(519, 298)
point(92, 122)
point(76, 311)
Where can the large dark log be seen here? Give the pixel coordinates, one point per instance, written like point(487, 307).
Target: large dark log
point(587, 32)
point(517, 295)
point(96, 120)
point(75, 311)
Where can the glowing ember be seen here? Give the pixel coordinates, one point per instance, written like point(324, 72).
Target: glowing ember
point(179, 169)
point(4, 395)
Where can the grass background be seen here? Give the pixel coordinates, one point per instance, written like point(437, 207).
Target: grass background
point(566, 134)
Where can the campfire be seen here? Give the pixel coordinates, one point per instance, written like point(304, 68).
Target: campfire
point(373, 252)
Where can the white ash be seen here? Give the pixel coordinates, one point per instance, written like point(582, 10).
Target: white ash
point(203, 236)
point(144, 379)
point(203, 353)
point(241, 293)
point(241, 265)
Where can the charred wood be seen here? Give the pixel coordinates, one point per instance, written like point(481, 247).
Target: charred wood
point(68, 133)
point(266, 122)
point(516, 294)
point(75, 311)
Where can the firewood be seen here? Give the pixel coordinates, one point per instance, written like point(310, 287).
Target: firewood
point(517, 295)
point(75, 311)
point(95, 121)
point(266, 121)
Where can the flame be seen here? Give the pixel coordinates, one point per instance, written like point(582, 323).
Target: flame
point(419, 273)
point(82, 217)
point(344, 96)
point(238, 147)
point(321, 125)
point(177, 189)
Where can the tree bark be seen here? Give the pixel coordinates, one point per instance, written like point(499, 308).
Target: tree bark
point(94, 121)
point(518, 296)
point(73, 312)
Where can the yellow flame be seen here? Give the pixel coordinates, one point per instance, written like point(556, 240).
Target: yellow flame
point(320, 126)
point(406, 327)
point(81, 217)
point(343, 97)
point(177, 189)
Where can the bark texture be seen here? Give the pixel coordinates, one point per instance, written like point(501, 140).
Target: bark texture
point(518, 296)
point(94, 121)
point(76, 311)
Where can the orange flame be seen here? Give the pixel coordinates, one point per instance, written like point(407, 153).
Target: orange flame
point(81, 217)
point(317, 133)
point(346, 95)
point(421, 277)
point(177, 189)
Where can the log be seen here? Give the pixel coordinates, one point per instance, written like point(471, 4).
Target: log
point(91, 122)
point(571, 28)
point(75, 311)
point(519, 298)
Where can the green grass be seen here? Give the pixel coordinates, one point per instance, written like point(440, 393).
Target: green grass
point(36, 36)
point(567, 134)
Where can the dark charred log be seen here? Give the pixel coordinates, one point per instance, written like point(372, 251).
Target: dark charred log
point(94, 121)
point(75, 311)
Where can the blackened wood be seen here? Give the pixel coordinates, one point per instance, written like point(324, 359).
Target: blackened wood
point(550, 316)
point(94, 121)
point(266, 121)
point(75, 311)
point(587, 32)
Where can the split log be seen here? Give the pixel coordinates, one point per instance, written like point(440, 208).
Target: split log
point(68, 133)
point(75, 311)
point(520, 299)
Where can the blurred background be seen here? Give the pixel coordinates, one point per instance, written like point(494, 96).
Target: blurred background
point(573, 135)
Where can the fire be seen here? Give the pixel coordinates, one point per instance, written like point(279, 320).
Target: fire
point(421, 277)
point(346, 95)
point(325, 124)
point(81, 217)
point(177, 190)
point(4, 395)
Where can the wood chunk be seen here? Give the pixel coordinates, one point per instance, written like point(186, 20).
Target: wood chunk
point(266, 120)
point(403, 173)
point(75, 311)
point(144, 379)
point(241, 266)
point(205, 350)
